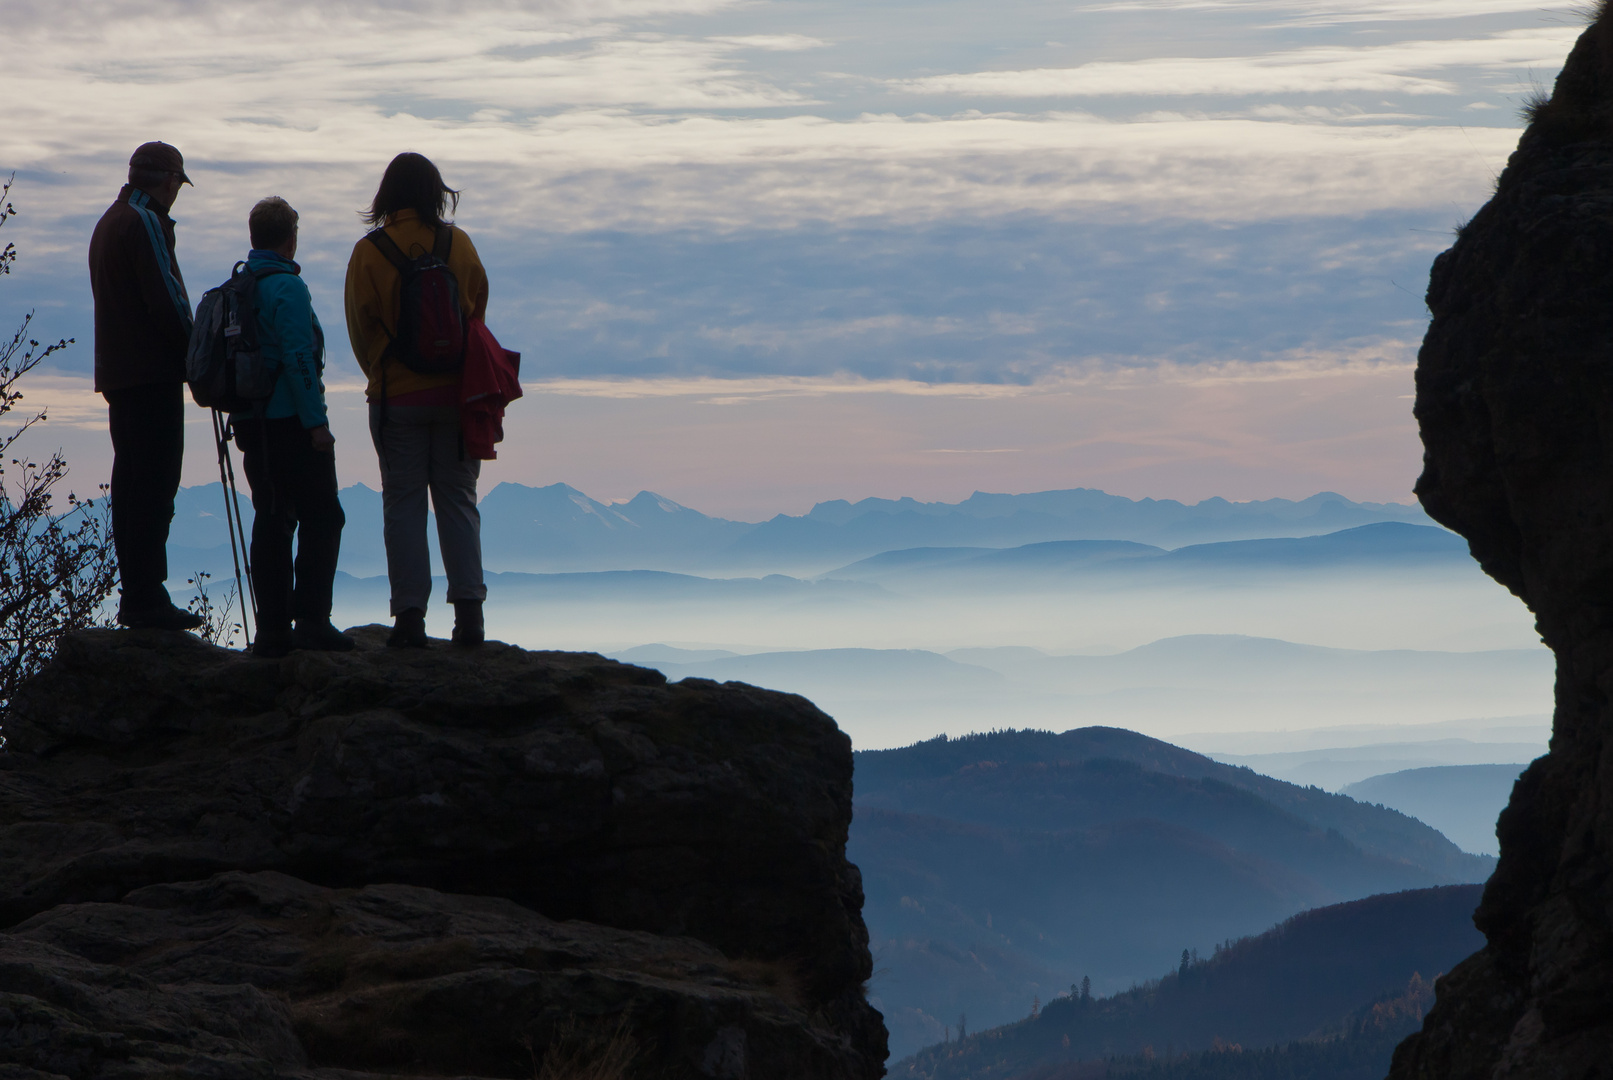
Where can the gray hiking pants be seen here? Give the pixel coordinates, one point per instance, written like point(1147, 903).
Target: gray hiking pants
point(419, 449)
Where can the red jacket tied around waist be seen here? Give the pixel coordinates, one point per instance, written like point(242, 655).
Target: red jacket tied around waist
point(491, 381)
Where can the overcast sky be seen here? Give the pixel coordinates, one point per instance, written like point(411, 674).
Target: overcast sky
point(757, 254)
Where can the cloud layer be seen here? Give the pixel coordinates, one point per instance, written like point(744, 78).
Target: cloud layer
point(926, 193)
point(1400, 68)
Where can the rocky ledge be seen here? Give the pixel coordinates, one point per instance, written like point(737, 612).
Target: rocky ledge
point(495, 863)
point(1515, 403)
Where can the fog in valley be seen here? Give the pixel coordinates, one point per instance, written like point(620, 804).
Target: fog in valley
point(895, 667)
point(1366, 642)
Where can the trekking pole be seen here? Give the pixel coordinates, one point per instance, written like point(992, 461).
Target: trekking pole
point(251, 592)
point(237, 527)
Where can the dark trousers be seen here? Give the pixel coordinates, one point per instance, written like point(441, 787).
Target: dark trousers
point(148, 451)
point(293, 494)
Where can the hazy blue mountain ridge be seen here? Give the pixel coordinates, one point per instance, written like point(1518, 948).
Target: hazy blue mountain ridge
point(1370, 542)
point(1054, 555)
point(1335, 757)
point(1378, 546)
point(1328, 509)
point(558, 528)
point(633, 586)
point(1317, 973)
point(1452, 798)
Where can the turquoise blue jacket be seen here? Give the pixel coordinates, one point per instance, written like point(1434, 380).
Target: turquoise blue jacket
point(289, 332)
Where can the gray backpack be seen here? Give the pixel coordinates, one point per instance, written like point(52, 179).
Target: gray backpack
point(225, 365)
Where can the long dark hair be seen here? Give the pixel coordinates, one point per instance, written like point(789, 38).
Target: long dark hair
point(411, 182)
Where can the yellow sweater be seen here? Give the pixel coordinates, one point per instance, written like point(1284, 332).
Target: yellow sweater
point(373, 285)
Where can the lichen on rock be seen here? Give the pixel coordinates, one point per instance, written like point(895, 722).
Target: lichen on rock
point(440, 863)
point(1515, 405)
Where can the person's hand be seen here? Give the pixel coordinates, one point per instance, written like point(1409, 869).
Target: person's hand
point(324, 442)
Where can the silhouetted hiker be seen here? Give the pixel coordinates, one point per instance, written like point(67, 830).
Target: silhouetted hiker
point(413, 286)
point(142, 329)
point(289, 453)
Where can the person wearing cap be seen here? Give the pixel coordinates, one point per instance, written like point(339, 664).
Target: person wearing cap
point(142, 329)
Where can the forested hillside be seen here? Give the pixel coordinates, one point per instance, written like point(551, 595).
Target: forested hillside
point(1349, 979)
point(1044, 786)
point(1360, 1050)
point(1001, 868)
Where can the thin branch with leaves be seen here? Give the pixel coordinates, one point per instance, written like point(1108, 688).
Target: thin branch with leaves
point(57, 568)
point(216, 627)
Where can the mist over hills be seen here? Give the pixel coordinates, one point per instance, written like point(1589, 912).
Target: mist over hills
point(1316, 974)
point(558, 528)
point(1387, 580)
point(1373, 750)
point(1005, 866)
point(1202, 680)
point(1461, 801)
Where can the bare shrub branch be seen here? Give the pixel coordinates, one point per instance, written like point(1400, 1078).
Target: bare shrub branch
point(57, 566)
point(216, 628)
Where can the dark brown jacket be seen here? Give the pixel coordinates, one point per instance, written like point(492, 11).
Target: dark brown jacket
point(142, 313)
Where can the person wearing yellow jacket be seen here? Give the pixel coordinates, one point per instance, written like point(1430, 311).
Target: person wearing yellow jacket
point(414, 417)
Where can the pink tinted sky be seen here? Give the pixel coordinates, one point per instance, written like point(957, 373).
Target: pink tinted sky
point(748, 449)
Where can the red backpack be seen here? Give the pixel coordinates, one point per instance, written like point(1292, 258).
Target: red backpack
point(430, 337)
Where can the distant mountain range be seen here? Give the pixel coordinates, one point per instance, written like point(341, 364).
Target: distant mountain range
point(1382, 545)
point(1349, 979)
point(1004, 866)
point(558, 528)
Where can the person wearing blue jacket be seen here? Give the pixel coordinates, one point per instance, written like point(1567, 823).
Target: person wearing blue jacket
point(288, 453)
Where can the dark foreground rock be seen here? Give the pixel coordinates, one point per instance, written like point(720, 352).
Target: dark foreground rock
point(1515, 402)
point(174, 819)
point(258, 974)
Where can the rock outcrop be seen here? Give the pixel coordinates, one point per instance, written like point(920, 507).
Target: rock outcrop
point(1515, 403)
point(422, 863)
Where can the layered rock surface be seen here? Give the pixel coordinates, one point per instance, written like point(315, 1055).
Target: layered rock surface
point(1515, 403)
point(216, 866)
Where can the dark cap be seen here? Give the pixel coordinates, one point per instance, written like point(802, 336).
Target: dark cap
point(160, 157)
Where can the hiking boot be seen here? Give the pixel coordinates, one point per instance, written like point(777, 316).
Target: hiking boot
point(469, 630)
point(159, 617)
point(272, 644)
point(408, 630)
point(320, 637)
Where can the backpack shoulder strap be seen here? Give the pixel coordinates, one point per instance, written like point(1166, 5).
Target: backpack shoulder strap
point(444, 243)
point(243, 281)
point(389, 248)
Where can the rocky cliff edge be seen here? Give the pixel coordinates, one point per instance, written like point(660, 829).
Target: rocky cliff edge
point(495, 863)
point(1515, 403)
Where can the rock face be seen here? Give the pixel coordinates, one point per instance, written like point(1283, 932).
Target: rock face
point(1515, 402)
point(433, 863)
